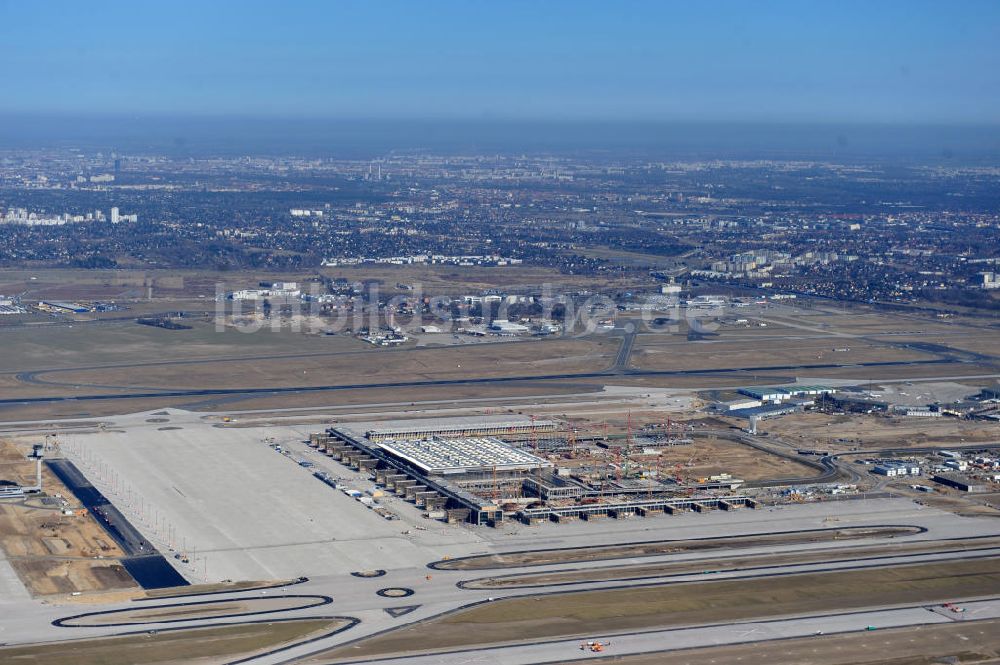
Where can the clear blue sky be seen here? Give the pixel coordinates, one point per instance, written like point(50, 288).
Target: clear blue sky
point(840, 61)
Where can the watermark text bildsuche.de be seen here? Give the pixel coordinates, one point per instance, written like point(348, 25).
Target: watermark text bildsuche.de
point(367, 309)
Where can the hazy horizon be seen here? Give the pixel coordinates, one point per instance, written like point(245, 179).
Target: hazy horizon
point(214, 135)
point(914, 80)
point(780, 61)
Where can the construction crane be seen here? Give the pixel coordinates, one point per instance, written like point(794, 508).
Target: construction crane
point(628, 441)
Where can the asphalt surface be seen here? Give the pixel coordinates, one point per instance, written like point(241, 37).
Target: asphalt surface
point(144, 563)
point(437, 592)
point(624, 353)
point(659, 641)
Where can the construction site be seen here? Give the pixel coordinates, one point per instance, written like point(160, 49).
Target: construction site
point(490, 470)
point(52, 542)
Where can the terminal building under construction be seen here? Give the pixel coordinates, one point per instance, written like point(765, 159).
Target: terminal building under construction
point(485, 470)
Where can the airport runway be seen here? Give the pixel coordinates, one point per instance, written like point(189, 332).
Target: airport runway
point(469, 381)
point(437, 591)
point(539, 653)
point(357, 597)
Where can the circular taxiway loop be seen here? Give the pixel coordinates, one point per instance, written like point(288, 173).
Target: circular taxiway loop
point(195, 611)
point(369, 573)
point(395, 592)
point(221, 592)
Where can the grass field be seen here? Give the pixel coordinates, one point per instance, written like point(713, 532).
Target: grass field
point(661, 352)
point(191, 611)
point(127, 343)
point(977, 341)
point(198, 589)
point(182, 646)
point(606, 612)
point(358, 365)
point(117, 357)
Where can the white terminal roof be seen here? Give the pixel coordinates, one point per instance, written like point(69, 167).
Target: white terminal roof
point(443, 456)
point(448, 426)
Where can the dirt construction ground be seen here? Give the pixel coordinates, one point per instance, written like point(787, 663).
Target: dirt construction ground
point(55, 553)
point(710, 456)
point(870, 431)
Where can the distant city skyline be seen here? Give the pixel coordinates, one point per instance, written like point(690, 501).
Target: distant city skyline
point(780, 61)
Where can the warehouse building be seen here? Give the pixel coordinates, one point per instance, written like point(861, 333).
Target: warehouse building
point(737, 404)
point(961, 483)
point(765, 411)
point(782, 393)
point(508, 328)
point(901, 469)
point(56, 306)
point(917, 412)
point(765, 394)
point(860, 404)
